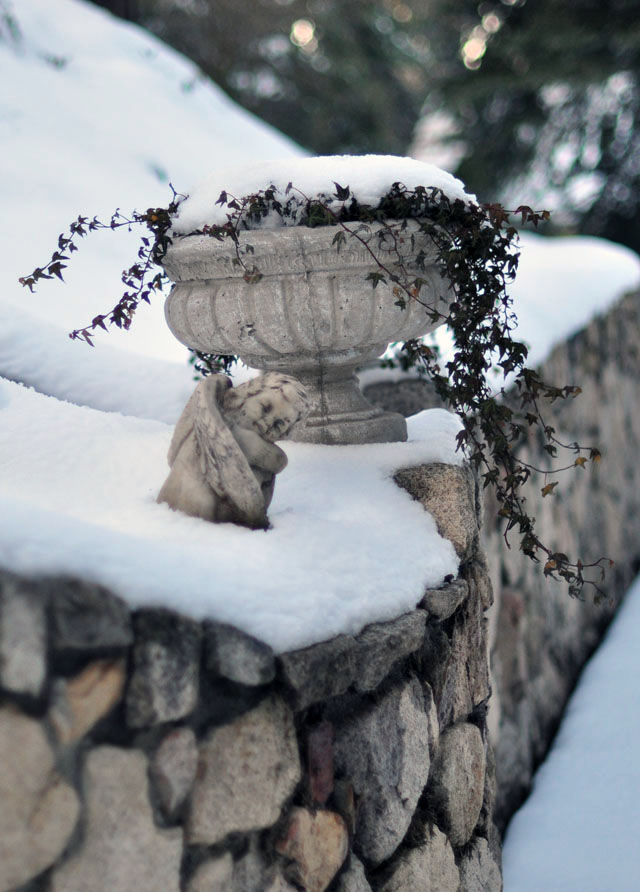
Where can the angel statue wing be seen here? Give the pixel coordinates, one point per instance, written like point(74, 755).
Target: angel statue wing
point(183, 429)
point(222, 461)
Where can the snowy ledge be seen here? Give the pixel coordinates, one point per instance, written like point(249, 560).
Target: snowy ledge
point(348, 547)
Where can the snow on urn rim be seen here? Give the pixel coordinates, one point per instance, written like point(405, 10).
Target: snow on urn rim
point(368, 177)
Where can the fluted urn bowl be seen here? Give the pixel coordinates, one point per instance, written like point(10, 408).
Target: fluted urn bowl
point(313, 314)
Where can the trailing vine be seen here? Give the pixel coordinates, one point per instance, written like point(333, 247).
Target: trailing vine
point(476, 252)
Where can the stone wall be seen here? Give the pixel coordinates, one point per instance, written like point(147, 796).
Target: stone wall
point(141, 750)
point(540, 636)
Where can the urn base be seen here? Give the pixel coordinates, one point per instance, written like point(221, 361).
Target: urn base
point(381, 427)
point(341, 415)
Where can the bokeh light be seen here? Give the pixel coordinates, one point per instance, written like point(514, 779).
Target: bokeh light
point(302, 32)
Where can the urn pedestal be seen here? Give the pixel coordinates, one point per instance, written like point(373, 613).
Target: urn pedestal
point(313, 314)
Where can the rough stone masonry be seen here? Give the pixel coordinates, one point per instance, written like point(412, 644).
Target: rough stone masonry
point(141, 751)
point(541, 638)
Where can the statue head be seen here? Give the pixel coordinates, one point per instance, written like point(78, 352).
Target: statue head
point(270, 405)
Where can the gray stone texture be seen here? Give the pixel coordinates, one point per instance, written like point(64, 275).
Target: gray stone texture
point(478, 869)
point(39, 809)
point(23, 636)
point(121, 847)
point(408, 395)
point(247, 770)
point(431, 709)
point(353, 877)
point(319, 318)
point(479, 580)
point(469, 646)
point(486, 826)
point(381, 645)
point(429, 868)
point(320, 770)
point(456, 664)
point(457, 782)
point(85, 616)
point(276, 883)
point(173, 769)
point(317, 843)
point(254, 872)
point(320, 671)
point(443, 602)
point(231, 653)
point(448, 493)
point(214, 875)
point(328, 669)
point(345, 802)
point(166, 663)
point(384, 752)
point(540, 636)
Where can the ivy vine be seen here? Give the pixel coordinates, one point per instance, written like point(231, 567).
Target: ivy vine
point(477, 256)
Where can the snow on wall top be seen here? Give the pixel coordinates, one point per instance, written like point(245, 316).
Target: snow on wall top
point(369, 177)
point(348, 547)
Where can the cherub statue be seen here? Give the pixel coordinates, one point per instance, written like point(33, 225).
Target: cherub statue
point(223, 457)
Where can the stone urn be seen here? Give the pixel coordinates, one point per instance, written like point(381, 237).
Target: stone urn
point(313, 315)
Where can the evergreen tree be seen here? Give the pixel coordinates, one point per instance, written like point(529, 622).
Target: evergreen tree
point(335, 76)
point(543, 104)
point(126, 9)
point(534, 101)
